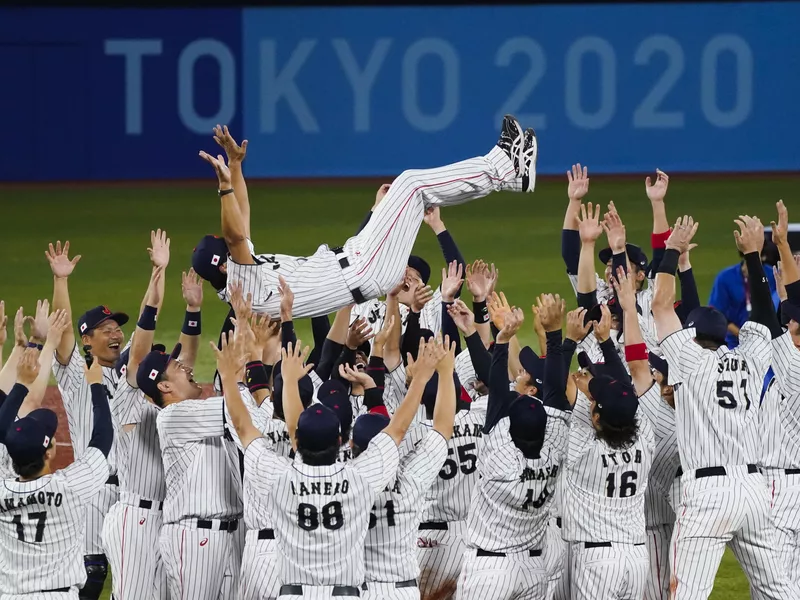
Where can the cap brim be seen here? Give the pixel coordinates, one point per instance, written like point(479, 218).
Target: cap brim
point(176, 351)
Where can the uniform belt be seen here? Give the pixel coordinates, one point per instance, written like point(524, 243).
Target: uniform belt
point(589, 545)
point(792, 471)
point(437, 525)
point(57, 590)
point(266, 534)
point(112, 480)
point(345, 264)
point(148, 504)
point(223, 525)
point(531, 553)
point(409, 583)
point(338, 590)
point(559, 522)
point(679, 473)
point(719, 471)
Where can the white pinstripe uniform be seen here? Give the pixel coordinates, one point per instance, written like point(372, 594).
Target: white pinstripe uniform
point(201, 555)
point(132, 526)
point(77, 398)
point(510, 513)
point(603, 493)
point(374, 311)
point(377, 255)
point(443, 531)
point(780, 459)
point(718, 429)
point(391, 549)
point(42, 523)
point(321, 513)
point(658, 513)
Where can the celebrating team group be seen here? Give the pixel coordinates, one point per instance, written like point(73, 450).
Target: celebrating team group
point(412, 449)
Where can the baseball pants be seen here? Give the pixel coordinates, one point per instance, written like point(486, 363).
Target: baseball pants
point(785, 491)
point(377, 256)
point(441, 553)
point(556, 559)
point(378, 590)
point(617, 572)
point(201, 564)
point(516, 576)
point(131, 541)
point(259, 577)
point(732, 509)
point(70, 595)
point(658, 543)
point(96, 512)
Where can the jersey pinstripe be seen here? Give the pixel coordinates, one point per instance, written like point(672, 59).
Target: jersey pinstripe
point(450, 495)
point(141, 469)
point(666, 459)
point(201, 466)
point(717, 399)
point(322, 512)
point(42, 526)
point(374, 311)
point(780, 423)
point(511, 506)
point(394, 390)
point(391, 551)
point(608, 486)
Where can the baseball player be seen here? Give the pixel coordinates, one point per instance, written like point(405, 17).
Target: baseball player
point(391, 549)
point(374, 261)
point(524, 443)
point(201, 540)
point(42, 514)
point(102, 336)
point(725, 500)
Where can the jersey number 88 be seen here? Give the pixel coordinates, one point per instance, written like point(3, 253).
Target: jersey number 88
point(308, 516)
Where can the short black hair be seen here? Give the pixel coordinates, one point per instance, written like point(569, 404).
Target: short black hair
point(157, 398)
point(618, 438)
point(708, 343)
point(319, 459)
point(29, 470)
point(531, 449)
point(356, 450)
point(345, 431)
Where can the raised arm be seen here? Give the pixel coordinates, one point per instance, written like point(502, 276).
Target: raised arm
point(590, 229)
point(444, 412)
point(293, 368)
point(50, 327)
point(499, 309)
point(102, 428)
point(551, 312)
point(448, 245)
point(481, 280)
point(392, 356)
point(635, 348)
point(230, 363)
point(26, 374)
point(3, 330)
point(146, 325)
point(192, 289)
point(657, 192)
point(236, 155)
point(452, 280)
point(422, 295)
point(334, 342)
point(499, 394)
point(62, 267)
point(8, 374)
point(663, 304)
point(602, 332)
point(750, 241)
point(690, 298)
point(257, 373)
point(790, 273)
point(570, 239)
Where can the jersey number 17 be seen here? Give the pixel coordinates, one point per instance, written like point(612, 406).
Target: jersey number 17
point(39, 517)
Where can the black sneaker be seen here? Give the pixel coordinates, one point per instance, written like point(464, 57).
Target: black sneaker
point(530, 152)
point(511, 142)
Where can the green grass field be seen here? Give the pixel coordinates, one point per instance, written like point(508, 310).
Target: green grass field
point(109, 226)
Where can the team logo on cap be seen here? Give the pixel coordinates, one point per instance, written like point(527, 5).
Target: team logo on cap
point(123, 370)
point(690, 324)
point(83, 327)
point(106, 311)
point(153, 375)
point(46, 441)
point(215, 259)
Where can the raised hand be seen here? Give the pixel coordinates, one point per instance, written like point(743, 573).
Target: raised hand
point(20, 338)
point(657, 191)
point(481, 279)
point(40, 324)
point(780, 230)
point(625, 287)
point(222, 170)
point(538, 328)
point(381, 194)
point(551, 311)
point(512, 322)
point(428, 357)
point(452, 278)
point(192, 289)
point(265, 330)
point(462, 316)
point(58, 257)
point(446, 351)
point(615, 230)
point(234, 151)
point(28, 367)
point(576, 329)
point(602, 328)
point(58, 323)
point(292, 362)
point(230, 355)
point(353, 376)
point(93, 374)
point(383, 335)
point(287, 299)
point(3, 324)
point(578, 182)
point(159, 248)
point(589, 226)
point(498, 308)
point(358, 333)
point(422, 295)
point(778, 272)
point(242, 307)
point(750, 237)
point(684, 264)
point(681, 237)
point(433, 219)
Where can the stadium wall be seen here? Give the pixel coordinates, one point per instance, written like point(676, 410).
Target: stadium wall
point(104, 94)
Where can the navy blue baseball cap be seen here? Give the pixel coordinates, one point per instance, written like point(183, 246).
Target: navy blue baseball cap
point(432, 388)
point(305, 385)
point(122, 363)
point(318, 428)
point(28, 439)
point(533, 365)
point(709, 323)
point(634, 252)
point(790, 311)
point(528, 419)
point(597, 369)
point(98, 315)
point(596, 312)
point(421, 266)
point(339, 403)
point(367, 427)
point(152, 368)
point(332, 387)
point(616, 400)
point(659, 364)
point(207, 257)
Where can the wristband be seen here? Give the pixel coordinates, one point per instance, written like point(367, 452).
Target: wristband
point(35, 345)
point(669, 264)
point(147, 320)
point(225, 192)
point(636, 352)
point(191, 323)
point(481, 312)
point(256, 376)
point(659, 240)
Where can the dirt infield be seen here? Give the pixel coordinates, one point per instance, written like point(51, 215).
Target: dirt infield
point(52, 400)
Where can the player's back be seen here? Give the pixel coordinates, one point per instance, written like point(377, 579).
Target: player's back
point(607, 485)
point(717, 396)
point(451, 493)
point(43, 522)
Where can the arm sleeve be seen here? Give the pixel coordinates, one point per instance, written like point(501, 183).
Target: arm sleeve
point(760, 295)
point(410, 342)
point(191, 421)
point(87, 475)
point(499, 394)
point(423, 464)
point(330, 352)
point(262, 466)
point(754, 343)
point(449, 328)
point(10, 408)
point(690, 298)
point(555, 376)
point(287, 334)
point(451, 253)
point(571, 250)
point(376, 369)
point(346, 357)
point(613, 361)
point(480, 357)
point(378, 463)
point(619, 260)
point(102, 428)
point(568, 348)
point(587, 300)
point(320, 326)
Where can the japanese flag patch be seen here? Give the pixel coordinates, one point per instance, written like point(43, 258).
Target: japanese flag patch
point(46, 441)
point(83, 327)
point(215, 259)
point(153, 375)
point(192, 323)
